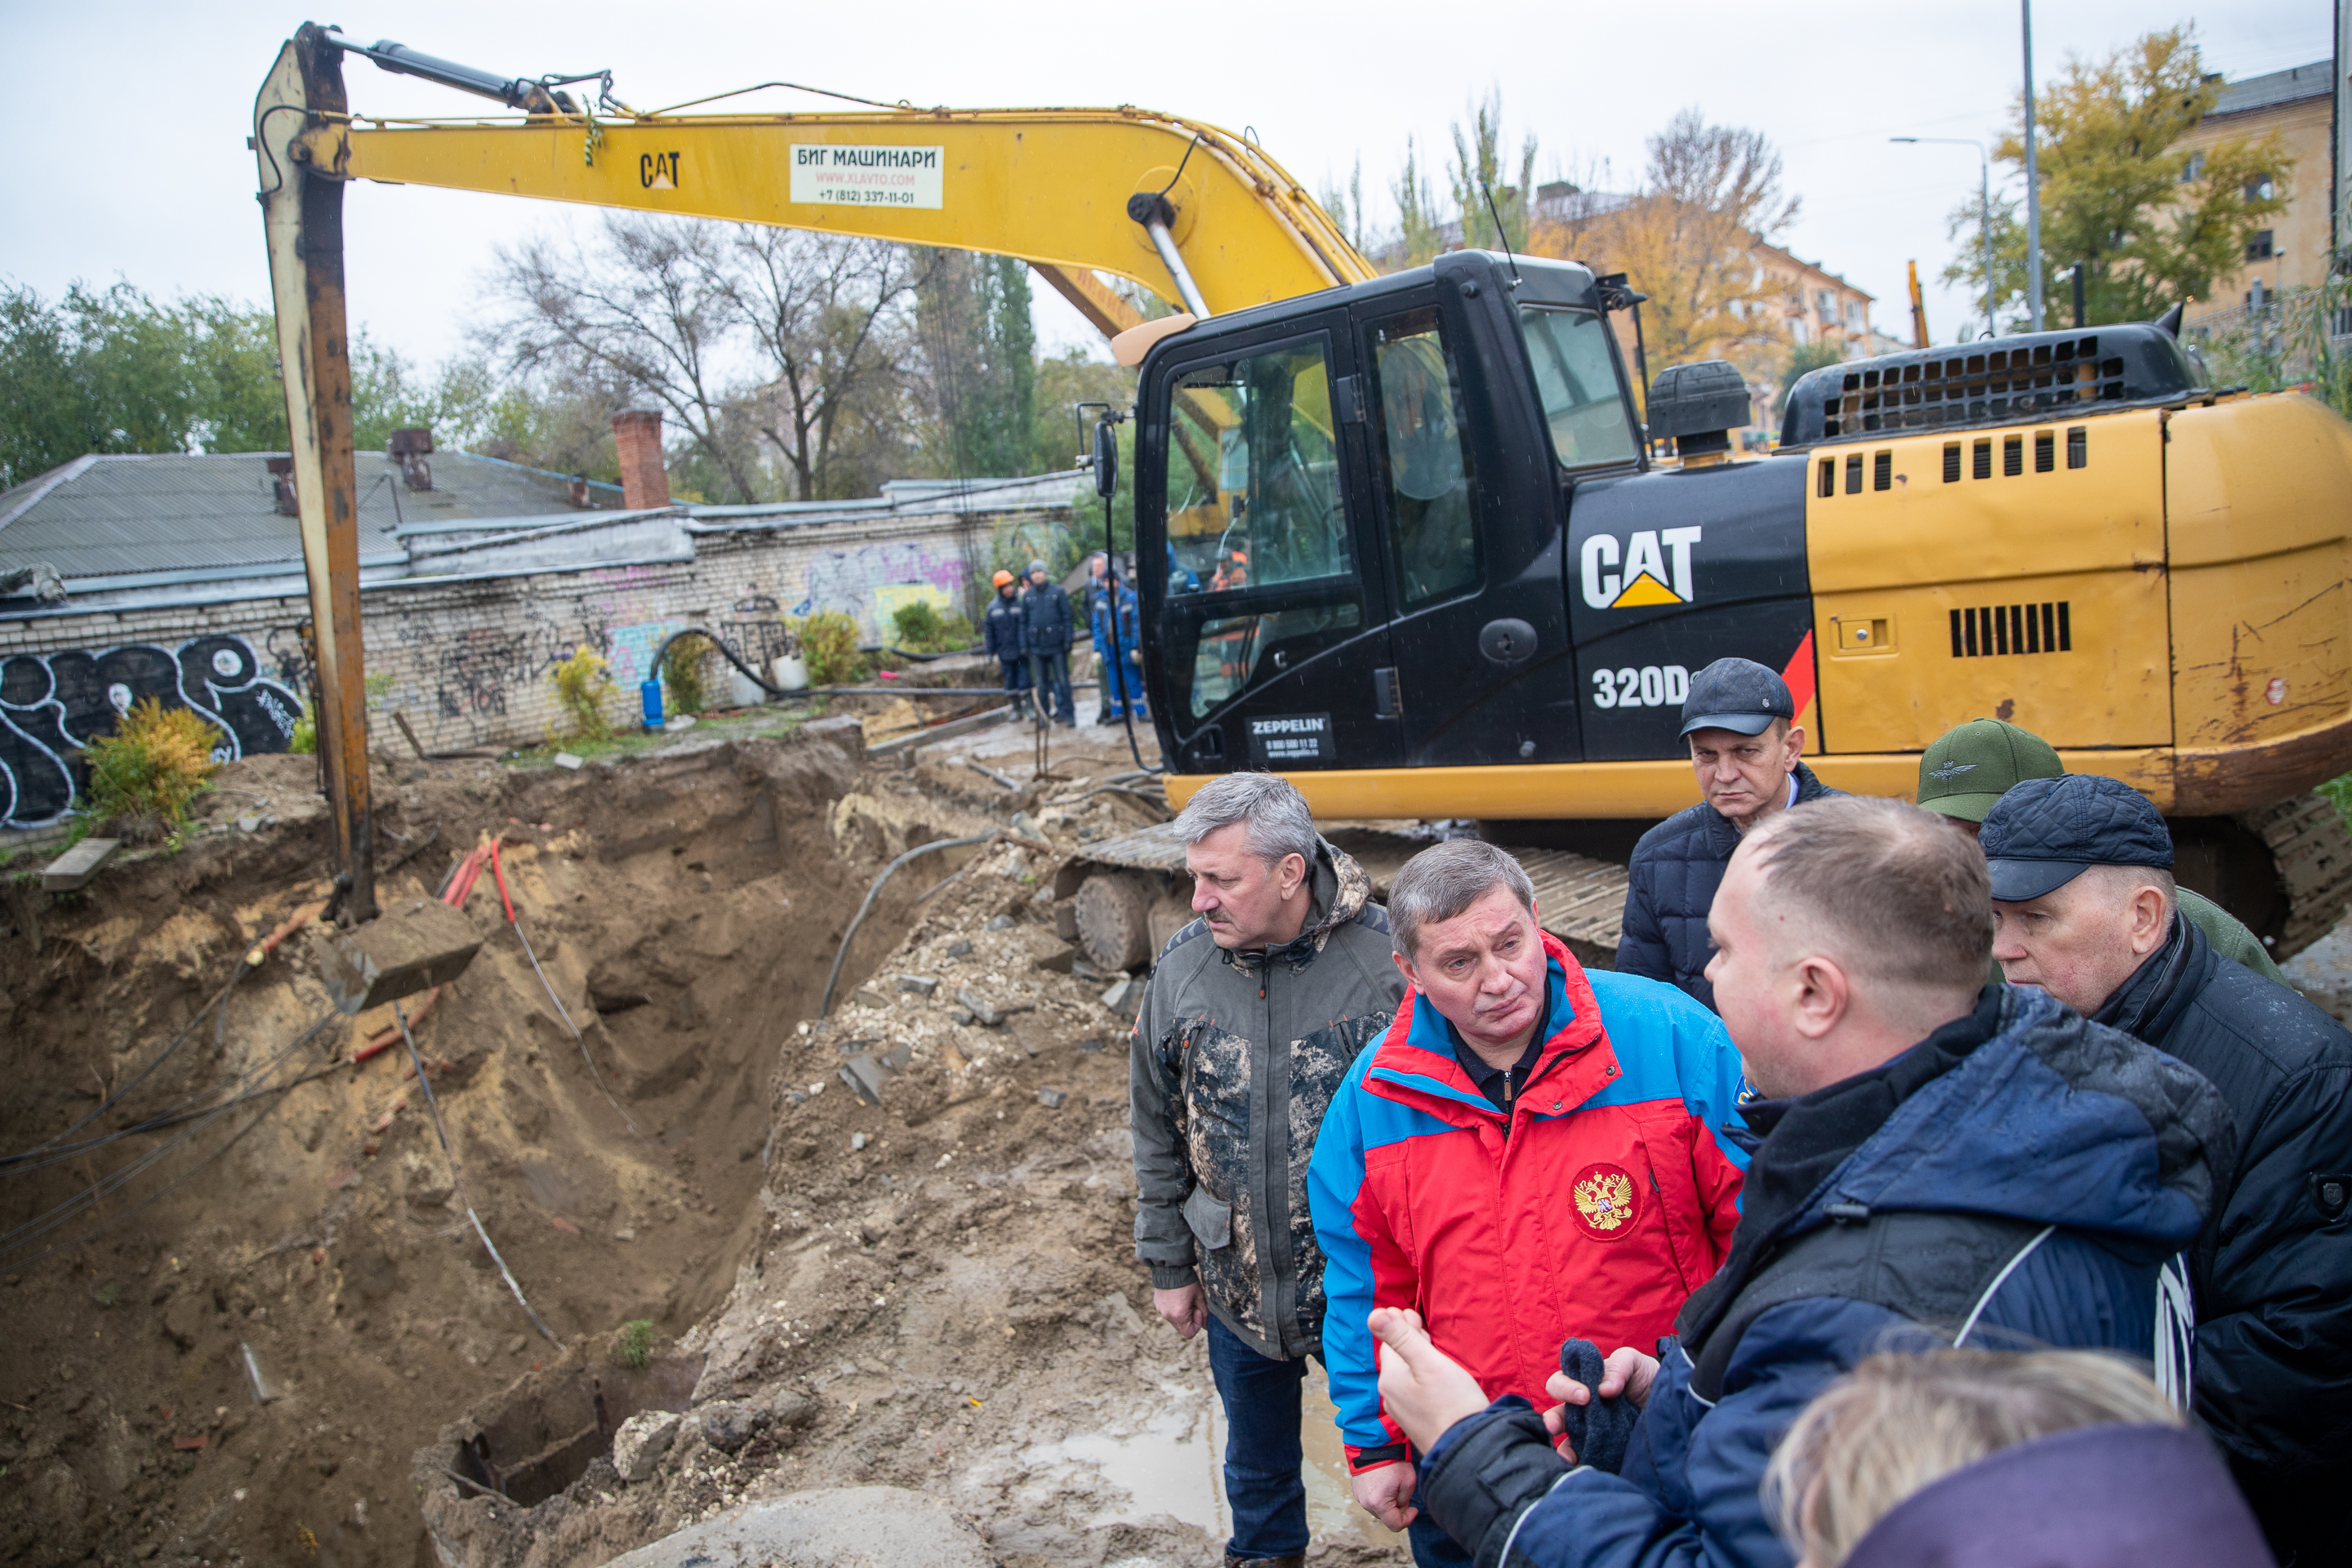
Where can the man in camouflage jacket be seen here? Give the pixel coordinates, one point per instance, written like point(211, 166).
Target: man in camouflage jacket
point(1254, 1014)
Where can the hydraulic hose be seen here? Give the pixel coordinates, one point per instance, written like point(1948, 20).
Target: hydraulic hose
point(824, 1005)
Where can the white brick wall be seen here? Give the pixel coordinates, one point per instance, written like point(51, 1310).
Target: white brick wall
point(468, 660)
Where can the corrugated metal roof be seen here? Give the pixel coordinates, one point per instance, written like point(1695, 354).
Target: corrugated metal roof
point(173, 511)
point(2316, 79)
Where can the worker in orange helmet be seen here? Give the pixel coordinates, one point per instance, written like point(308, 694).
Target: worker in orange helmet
point(1005, 633)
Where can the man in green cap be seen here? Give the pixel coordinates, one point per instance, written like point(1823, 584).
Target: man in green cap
point(1972, 765)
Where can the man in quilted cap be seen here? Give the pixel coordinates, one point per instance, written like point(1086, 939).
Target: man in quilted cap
point(2082, 889)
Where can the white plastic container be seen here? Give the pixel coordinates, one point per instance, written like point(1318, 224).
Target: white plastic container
point(742, 690)
point(789, 671)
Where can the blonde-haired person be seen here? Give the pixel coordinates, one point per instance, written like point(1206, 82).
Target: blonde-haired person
point(1957, 1459)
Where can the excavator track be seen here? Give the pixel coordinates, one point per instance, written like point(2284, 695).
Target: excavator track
point(2311, 851)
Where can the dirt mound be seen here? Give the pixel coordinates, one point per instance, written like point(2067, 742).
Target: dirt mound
point(677, 904)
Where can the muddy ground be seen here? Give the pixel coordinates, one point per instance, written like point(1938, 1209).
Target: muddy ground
point(937, 1292)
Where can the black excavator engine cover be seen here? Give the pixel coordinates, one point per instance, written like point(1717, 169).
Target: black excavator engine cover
point(1996, 381)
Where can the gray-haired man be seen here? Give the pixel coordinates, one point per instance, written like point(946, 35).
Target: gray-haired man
point(1254, 1013)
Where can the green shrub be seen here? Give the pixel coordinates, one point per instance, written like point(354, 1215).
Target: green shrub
point(582, 682)
point(157, 761)
point(829, 644)
point(304, 741)
point(681, 671)
point(637, 1343)
point(922, 629)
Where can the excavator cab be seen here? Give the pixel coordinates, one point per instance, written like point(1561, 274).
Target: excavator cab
point(1353, 513)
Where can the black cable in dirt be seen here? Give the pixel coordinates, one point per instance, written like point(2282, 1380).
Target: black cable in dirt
point(106, 1187)
point(457, 1180)
point(497, 872)
point(1110, 582)
point(219, 997)
point(825, 1003)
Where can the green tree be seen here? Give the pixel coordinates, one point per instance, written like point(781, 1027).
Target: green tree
point(973, 317)
point(2152, 222)
point(1477, 170)
point(1421, 231)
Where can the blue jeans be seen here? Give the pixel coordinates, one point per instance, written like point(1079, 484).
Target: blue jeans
point(1431, 1547)
point(1262, 1456)
point(1051, 674)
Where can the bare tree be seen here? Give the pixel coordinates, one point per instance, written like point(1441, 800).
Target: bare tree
point(650, 306)
point(830, 317)
point(1725, 170)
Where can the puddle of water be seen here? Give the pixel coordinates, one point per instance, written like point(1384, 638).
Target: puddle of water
point(1168, 1468)
point(1331, 1510)
point(1175, 1466)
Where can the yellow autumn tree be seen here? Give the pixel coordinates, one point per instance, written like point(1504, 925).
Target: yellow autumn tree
point(1687, 240)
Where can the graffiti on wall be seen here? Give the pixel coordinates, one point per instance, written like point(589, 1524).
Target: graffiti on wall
point(847, 580)
point(53, 704)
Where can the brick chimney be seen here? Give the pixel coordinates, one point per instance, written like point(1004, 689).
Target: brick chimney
point(643, 481)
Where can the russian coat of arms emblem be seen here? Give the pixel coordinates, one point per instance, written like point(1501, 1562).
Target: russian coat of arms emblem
point(1604, 1200)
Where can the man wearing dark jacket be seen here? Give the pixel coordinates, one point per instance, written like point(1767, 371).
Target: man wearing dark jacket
point(1254, 1014)
point(1046, 607)
point(2082, 880)
point(1937, 1164)
point(1005, 633)
point(1748, 750)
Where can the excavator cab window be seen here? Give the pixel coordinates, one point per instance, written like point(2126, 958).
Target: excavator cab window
point(1578, 382)
point(1254, 505)
point(1426, 474)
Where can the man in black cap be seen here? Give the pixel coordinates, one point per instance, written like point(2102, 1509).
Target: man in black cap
point(2081, 886)
point(1748, 750)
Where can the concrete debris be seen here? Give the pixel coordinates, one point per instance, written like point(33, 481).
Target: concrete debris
point(873, 1527)
point(1026, 826)
point(863, 1074)
point(921, 984)
point(963, 1016)
point(979, 1008)
point(728, 1425)
point(566, 760)
point(1124, 995)
point(77, 865)
point(1051, 1099)
point(1001, 922)
point(856, 1143)
point(402, 952)
point(683, 721)
point(643, 1439)
point(959, 948)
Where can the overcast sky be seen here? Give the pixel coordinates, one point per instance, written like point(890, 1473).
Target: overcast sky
point(125, 123)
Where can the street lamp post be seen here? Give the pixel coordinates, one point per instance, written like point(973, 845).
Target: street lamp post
point(1984, 196)
point(2033, 183)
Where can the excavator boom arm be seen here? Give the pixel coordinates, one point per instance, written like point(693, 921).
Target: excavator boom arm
point(1049, 186)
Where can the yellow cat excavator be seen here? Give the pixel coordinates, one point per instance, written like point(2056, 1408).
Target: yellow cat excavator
point(1405, 538)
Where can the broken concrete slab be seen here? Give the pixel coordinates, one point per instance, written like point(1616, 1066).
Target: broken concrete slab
point(566, 760)
point(873, 1527)
point(77, 866)
point(402, 952)
point(1123, 994)
point(643, 1439)
point(980, 1008)
point(921, 984)
point(863, 1074)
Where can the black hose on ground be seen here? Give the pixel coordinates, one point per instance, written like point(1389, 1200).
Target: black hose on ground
point(825, 1003)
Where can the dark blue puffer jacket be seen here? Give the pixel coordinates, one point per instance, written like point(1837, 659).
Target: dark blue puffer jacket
point(1004, 630)
point(1671, 884)
point(1048, 607)
point(2072, 1159)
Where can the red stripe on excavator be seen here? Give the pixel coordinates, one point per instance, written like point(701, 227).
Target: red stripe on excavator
point(1799, 675)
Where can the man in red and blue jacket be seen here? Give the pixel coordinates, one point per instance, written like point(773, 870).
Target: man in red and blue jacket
point(1528, 1155)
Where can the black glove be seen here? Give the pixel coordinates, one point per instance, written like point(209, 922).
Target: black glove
point(1600, 1431)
